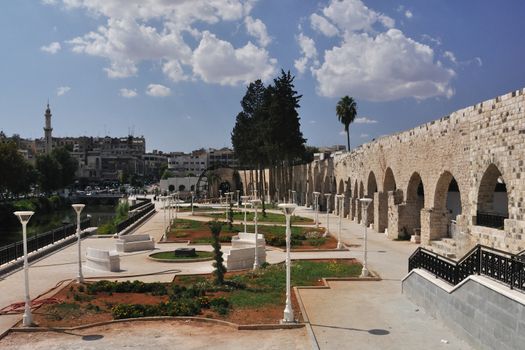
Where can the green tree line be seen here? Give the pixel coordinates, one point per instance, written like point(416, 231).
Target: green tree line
point(51, 171)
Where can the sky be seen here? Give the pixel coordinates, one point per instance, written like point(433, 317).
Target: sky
point(175, 71)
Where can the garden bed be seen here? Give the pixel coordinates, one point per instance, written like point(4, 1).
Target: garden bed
point(253, 297)
point(303, 238)
point(169, 256)
point(238, 215)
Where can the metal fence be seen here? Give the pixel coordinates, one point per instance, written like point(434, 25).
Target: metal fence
point(481, 260)
point(140, 203)
point(138, 215)
point(15, 250)
point(490, 220)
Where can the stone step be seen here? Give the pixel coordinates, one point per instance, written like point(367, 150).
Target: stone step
point(445, 248)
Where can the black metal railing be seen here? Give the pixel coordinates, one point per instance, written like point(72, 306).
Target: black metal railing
point(490, 220)
point(481, 260)
point(146, 209)
point(140, 203)
point(15, 250)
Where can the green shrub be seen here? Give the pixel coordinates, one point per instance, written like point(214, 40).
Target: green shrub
point(317, 241)
point(220, 305)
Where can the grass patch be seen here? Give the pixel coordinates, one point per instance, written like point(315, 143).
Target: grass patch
point(270, 217)
point(171, 256)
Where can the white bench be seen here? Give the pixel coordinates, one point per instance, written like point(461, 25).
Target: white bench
point(133, 243)
point(104, 260)
point(247, 240)
point(243, 258)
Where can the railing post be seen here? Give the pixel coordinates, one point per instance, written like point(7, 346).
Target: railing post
point(436, 269)
point(479, 260)
point(512, 263)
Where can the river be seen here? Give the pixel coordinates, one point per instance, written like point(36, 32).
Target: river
point(40, 223)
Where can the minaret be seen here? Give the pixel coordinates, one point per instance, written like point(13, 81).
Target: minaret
point(47, 131)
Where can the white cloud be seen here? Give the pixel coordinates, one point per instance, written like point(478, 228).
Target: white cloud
point(364, 135)
point(257, 29)
point(375, 61)
point(52, 48)
point(409, 14)
point(450, 56)
point(478, 61)
point(128, 93)
point(62, 90)
point(342, 133)
point(428, 38)
point(308, 51)
point(217, 61)
point(321, 24)
point(365, 120)
point(157, 90)
point(155, 32)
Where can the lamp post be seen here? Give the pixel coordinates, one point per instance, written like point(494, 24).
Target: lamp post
point(238, 198)
point(78, 209)
point(288, 209)
point(191, 193)
point(24, 217)
point(339, 201)
point(316, 208)
point(293, 197)
point(366, 202)
point(289, 196)
point(245, 202)
point(255, 203)
point(327, 195)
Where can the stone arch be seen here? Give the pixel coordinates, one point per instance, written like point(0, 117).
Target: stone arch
point(447, 202)
point(371, 187)
point(381, 207)
point(493, 201)
point(414, 203)
point(389, 183)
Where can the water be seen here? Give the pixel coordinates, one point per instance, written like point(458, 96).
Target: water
point(39, 223)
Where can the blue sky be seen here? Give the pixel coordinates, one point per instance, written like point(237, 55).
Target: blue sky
point(175, 71)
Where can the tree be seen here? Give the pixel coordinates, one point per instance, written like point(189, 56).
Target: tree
point(166, 174)
point(220, 269)
point(68, 166)
point(49, 173)
point(346, 111)
point(16, 174)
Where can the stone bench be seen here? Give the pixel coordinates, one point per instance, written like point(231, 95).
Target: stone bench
point(104, 260)
point(133, 243)
point(247, 240)
point(243, 258)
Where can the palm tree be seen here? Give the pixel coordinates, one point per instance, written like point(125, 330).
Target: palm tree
point(346, 111)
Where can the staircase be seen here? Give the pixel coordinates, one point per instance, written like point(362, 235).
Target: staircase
point(445, 246)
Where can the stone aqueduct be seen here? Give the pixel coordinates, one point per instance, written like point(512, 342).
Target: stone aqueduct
point(462, 176)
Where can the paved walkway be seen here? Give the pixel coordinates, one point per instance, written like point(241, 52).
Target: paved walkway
point(359, 315)
point(372, 315)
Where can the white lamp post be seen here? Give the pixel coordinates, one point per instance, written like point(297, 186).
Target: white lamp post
point(255, 203)
point(288, 209)
point(245, 202)
point(164, 228)
point(78, 209)
point(316, 208)
point(191, 203)
point(327, 195)
point(339, 199)
point(24, 217)
point(366, 202)
point(293, 197)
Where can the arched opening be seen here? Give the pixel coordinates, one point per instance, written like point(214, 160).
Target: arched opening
point(493, 201)
point(371, 187)
point(341, 188)
point(182, 188)
point(447, 200)
point(389, 184)
point(361, 190)
point(224, 187)
point(415, 201)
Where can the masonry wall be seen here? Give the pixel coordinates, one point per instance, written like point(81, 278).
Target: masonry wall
point(485, 318)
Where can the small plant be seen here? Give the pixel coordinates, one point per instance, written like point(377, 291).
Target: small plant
point(220, 269)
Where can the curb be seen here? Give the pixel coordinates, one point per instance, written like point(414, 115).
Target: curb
point(157, 318)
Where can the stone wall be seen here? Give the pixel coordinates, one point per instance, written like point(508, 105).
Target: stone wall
point(463, 146)
point(477, 312)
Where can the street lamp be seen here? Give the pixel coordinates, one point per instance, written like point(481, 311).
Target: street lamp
point(316, 208)
point(255, 203)
point(288, 209)
point(191, 203)
point(24, 217)
point(339, 199)
point(245, 202)
point(78, 209)
point(366, 202)
point(164, 228)
point(293, 197)
point(327, 195)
